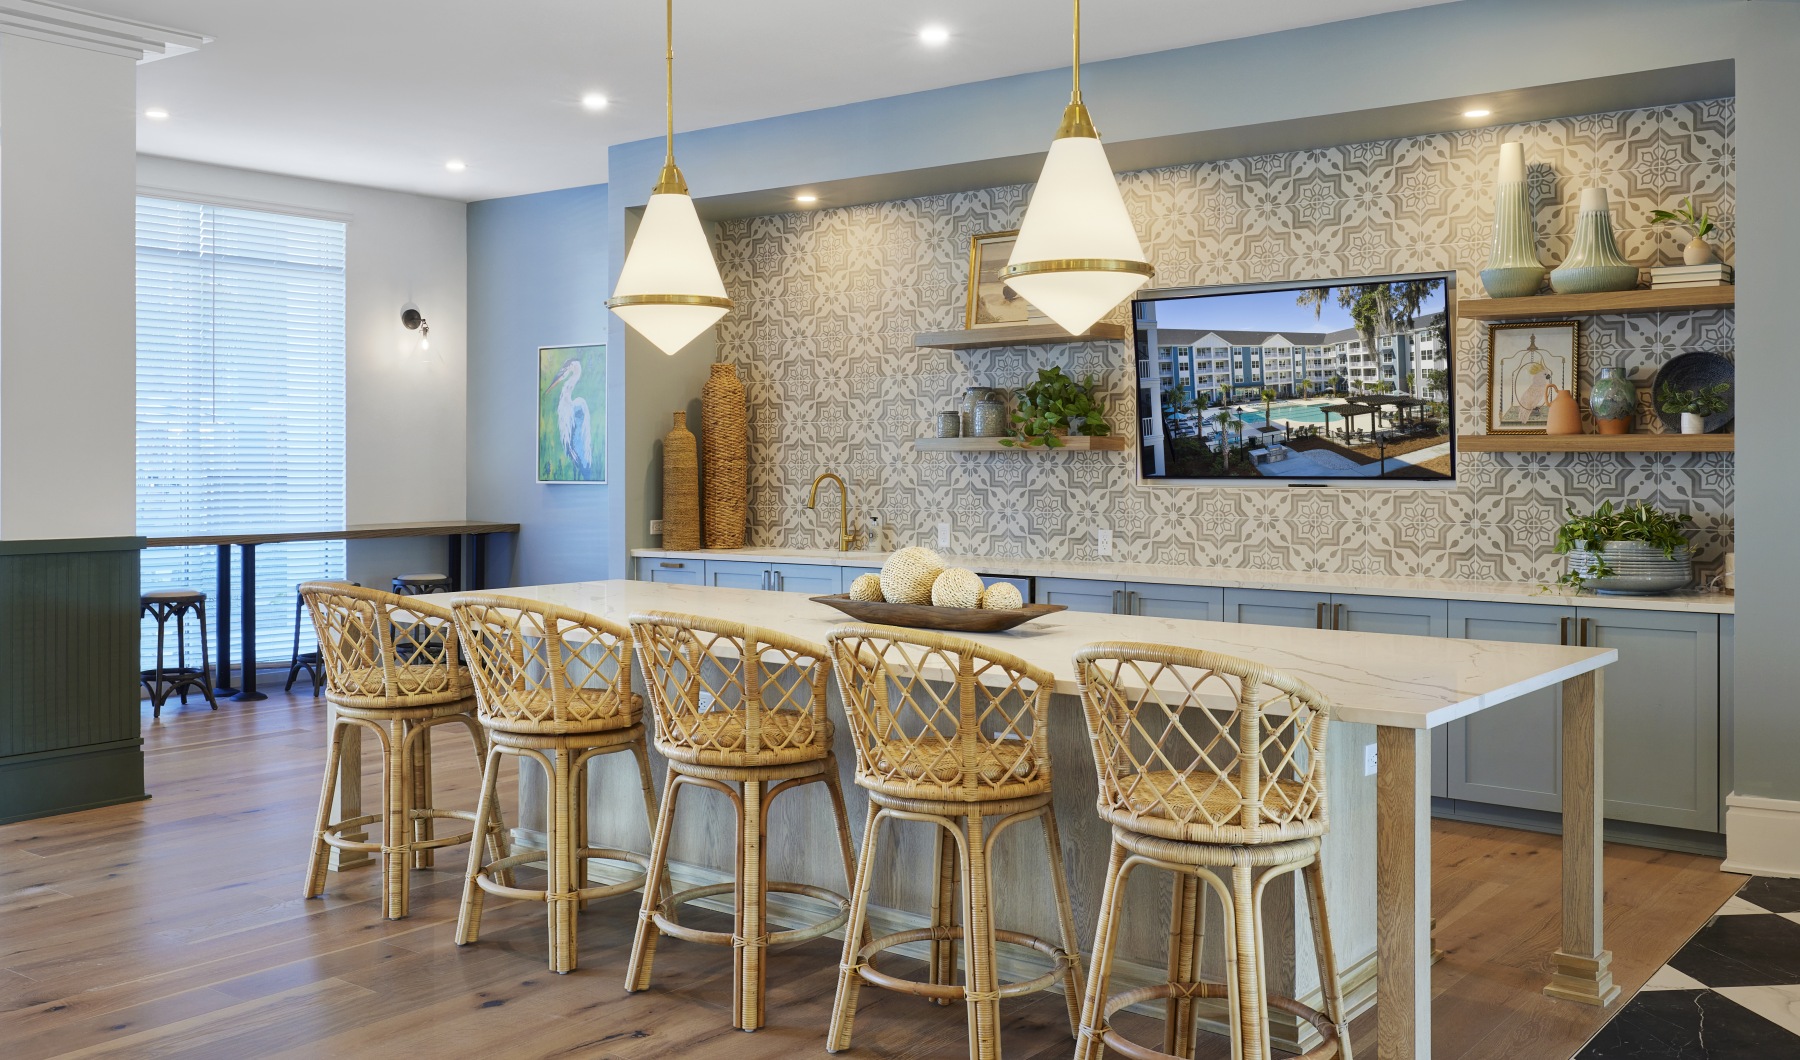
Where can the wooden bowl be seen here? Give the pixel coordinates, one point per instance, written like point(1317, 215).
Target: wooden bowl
point(921, 616)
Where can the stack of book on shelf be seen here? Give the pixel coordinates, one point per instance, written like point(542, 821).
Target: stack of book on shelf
point(1690, 275)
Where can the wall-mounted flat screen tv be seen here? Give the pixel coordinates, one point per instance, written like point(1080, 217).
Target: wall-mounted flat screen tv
point(1343, 382)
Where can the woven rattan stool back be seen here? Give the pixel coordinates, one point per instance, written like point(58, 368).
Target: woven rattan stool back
point(382, 650)
point(545, 670)
point(727, 694)
point(942, 718)
point(1202, 747)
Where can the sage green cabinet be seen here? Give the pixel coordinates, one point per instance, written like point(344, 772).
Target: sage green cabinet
point(1201, 603)
point(1277, 607)
point(1510, 755)
point(1080, 594)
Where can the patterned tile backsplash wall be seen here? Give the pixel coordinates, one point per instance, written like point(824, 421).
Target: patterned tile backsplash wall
point(828, 301)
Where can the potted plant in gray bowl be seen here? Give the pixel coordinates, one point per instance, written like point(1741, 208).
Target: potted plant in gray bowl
point(1633, 550)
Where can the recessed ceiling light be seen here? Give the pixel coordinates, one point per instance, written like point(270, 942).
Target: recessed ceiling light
point(456, 165)
point(157, 114)
point(935, 35)
point(1477, 112)
point(806, 198)
point(594, 101)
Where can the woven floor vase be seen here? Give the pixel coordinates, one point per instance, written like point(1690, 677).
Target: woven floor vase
point(681, 487)
point(725, 457)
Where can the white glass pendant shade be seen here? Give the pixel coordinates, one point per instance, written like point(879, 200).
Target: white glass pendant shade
point(669, 290)
point(1077, 256)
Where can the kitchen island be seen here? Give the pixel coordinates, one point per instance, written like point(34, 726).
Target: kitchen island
point(1395, 689)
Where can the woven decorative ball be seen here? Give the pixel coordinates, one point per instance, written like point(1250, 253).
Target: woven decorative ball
point(956, 587)
point(867, 588)
point(1001, 596)
point(907, 575)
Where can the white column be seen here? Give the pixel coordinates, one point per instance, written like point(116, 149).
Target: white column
point(68, 145)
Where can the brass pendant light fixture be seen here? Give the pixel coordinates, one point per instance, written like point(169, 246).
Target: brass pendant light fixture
point(669, 288)
point(1077, 255)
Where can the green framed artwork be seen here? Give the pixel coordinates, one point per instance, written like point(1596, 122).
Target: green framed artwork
point(571, 414)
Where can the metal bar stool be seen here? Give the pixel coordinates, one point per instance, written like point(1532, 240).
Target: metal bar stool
point(391, 668)
point(307, 661)
point(161, 682)
point(949, 733)
point(1209, 766)
point(554, 685)
point(736, 705)
point(420, 584)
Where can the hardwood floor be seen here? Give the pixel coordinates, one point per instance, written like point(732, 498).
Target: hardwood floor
point(174, 927)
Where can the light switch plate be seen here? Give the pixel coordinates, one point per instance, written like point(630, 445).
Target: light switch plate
point(943, 535)
point(1368, 760)
point(1103, 542)
point(656, 526)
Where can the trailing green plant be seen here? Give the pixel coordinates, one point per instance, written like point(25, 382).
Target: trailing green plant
point(1706, 401)
point(1055, 404)
point(1689, 217)
point(1638, 522)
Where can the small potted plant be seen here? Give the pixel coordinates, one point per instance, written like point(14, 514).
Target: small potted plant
point(1632, 550)
point(1697, 251)
point(1053, 407)
point(1694, 405)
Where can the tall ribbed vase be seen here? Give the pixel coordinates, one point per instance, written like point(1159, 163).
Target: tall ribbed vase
point(681, 487)
point(1513, 269)
point(725, 457)
point(1594, 262)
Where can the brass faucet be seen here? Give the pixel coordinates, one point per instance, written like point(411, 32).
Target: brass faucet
point(845, 537)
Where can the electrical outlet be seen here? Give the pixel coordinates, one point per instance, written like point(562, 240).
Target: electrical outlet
point(1103, 542)
point(708, 702)
point(943, 535)
point(656, 526)
point(872, 533)
point(1368, 760)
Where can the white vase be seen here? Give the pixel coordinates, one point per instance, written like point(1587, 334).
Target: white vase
point(1698, 252)
point(1693, 423)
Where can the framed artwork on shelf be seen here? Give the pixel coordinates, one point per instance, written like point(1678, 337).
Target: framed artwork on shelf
point(571, 439)
point(992, 303)
point(1527, 365)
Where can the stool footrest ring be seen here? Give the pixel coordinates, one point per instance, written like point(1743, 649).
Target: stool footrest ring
point(1165, 991)
point(951, 991)
point(668, 926)
point(487, 881)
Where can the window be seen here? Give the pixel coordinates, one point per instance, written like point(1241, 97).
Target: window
point(240, 399)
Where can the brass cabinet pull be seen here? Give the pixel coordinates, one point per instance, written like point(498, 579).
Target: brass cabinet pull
point(1319, 622)
point(1587, 632)
point(1562, 627)
point(1337, 621)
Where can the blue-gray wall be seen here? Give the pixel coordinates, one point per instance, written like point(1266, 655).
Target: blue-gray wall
point(538, 276)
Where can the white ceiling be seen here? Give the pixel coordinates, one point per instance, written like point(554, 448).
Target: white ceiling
point(383, 92)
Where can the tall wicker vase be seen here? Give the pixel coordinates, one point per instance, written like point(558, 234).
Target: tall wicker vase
point(681, 487)
point(1513, 269)
point(725, 453)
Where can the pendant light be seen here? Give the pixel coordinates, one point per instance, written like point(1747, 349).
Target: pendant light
point(1077, 255)
point(669, 289)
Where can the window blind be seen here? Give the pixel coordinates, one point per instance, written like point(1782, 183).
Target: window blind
point(240, 400)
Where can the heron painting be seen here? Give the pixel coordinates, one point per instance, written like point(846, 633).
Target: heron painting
point(572, 414)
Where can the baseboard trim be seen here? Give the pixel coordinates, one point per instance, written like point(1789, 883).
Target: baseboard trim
point(1014, 964)
point(1762, 836)
point(69, 779)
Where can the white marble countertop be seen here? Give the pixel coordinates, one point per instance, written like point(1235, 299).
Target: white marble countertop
point(1237, 578)
point(1372, 678)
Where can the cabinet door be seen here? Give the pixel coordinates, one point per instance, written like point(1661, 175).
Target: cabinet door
point(1275, 607)
point(1079, 594)
point(1202, 603)
point(671, 571)
point(813, 579)
point(846, 575)
point(1406, 617)
point(1511, 754)
point(727, 575)
point(1662, 715)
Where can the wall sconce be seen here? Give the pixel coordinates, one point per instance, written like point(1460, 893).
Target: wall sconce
point(415, 321)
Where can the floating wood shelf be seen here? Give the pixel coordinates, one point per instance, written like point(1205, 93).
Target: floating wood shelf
point(1015, 335)
point(1550, 305)
point(1597, 443)
point(1078, 444)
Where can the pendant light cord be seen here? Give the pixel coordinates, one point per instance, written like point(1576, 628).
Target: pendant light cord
point(1075, 96)
point(671, 181)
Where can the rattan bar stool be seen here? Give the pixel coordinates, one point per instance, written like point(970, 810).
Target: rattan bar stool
point(554, 686)
point(736, 705)
point(949, 732)
point(1209, 766)
point(164, 681)
point(390, 668)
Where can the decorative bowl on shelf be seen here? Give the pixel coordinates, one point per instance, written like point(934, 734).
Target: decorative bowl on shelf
point(1637, 569)
point(1696, 370)
point(924, 616)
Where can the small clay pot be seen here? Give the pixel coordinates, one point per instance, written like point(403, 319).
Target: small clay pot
point(1565, 414)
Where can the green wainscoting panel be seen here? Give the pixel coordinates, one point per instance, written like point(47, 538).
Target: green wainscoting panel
point(70, 724)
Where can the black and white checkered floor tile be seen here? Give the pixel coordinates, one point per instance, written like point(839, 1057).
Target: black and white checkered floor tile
point(1731, 993)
